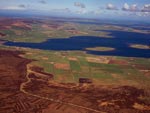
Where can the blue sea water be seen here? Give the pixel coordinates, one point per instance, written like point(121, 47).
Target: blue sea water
point(120, 41)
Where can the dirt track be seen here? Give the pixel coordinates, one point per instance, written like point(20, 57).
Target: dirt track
point(20, 94)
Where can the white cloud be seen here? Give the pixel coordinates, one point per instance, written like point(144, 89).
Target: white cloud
point(146, 8)
point(82, 11)
point(126, 7)
point(143, 14)
point(65, 10)
point(22, 5)
point(132, 7)
point(80, 5)
point(42, 1)
point(97, 12)
point(13, 8)
point(111, 7)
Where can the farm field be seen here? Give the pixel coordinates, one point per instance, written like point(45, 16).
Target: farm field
point(69, 66)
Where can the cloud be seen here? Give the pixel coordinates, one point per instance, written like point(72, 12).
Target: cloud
point(65, 10)
point(42, 1)
point(19, 7)
point(82, 11)
point(111, 7)
point(143, 14)
point(132, 8)
point(126, 7)
point(146, 8)
point(80, 5)
point(22, 6)
point(97, 12)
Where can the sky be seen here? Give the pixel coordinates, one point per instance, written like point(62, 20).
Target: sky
point(113, 9)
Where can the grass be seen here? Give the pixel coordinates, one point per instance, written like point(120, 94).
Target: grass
point(26, 36)
point(39, 34)
point(83, 61)
point(141, 61)
point(82, 68)
point(101, 49)
point(102, 76)
point(9, 32)
point(112, 68)
point(75, 66)
point(140, 46)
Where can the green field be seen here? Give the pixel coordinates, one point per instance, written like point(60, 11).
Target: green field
point(81, 67)
point(39, 34)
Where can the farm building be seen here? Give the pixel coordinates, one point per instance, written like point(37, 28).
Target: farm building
point(85, 80)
